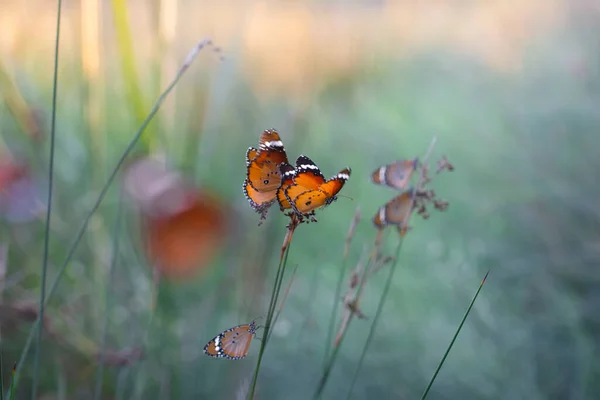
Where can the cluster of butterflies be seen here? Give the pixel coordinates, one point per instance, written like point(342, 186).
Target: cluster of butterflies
point(396, 175)
point(303, 189)
point(270, 178)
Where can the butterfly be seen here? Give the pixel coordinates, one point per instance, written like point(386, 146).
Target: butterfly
point(232, 343)
point(310, 190)
point(262, 171)
point(395, 212)
point(395, 175)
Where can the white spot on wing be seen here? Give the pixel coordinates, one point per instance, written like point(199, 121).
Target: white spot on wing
point(343, 176)
point(309, 166)
point(382, 171)
point(382, 215)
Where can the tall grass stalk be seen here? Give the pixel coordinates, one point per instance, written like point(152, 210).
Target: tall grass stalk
point(285, 249)
point(392, 270)
point(107, 300)
point(285, 295)
point(186, 64)
point(36, 363)
point(1, 376)
point(329, 365)
point(338, 286)
point(437, 370)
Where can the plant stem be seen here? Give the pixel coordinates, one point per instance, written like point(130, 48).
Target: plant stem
point(36, 363)
point(336, 348)
point(188, 61)
point(454, 338)
point(338, 287)
point(287, 291)
point(285, 249)
point(388, 284)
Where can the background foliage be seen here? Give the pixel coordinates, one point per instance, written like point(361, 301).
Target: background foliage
point(510, 90)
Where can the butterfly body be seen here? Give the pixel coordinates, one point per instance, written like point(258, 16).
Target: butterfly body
point(395, 175)
point(232, 343)
point(310, 190)
point(287, 173)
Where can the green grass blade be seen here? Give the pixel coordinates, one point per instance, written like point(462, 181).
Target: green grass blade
point(36, 363)
point(338, 287)
point(329, 366)
point(384, 293)
point(188, 61)
point(282, 301)
point(454, 338)
point(1, 377)
point(12, 382)
point(269, 318)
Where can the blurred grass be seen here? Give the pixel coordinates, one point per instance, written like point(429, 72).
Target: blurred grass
point(509, 89)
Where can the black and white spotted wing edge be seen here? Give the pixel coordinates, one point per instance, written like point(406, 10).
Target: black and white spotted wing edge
point(305, 164)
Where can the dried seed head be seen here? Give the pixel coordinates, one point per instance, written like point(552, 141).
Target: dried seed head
point(444, 164)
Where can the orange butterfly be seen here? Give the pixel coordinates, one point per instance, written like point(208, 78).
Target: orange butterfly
point(395, 212)
point(310, 189)
point(232, 343)
point(262, 175)
point(395, 175)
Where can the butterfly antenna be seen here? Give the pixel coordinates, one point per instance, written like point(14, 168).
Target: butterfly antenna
point(341, 195)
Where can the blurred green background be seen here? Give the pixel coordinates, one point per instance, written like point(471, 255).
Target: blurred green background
point(512, 92)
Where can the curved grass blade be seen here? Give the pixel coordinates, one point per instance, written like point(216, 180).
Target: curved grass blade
point(36, 363)
point(338, 286)
point(454, 338)
point(188, 61)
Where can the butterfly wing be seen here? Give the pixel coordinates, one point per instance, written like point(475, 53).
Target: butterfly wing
point(336, 183)
point(251, 154)
point(214, 348)
point(259, 201)
point(236, 342)
point(262, 173)
point(395, 211)
point(287, 173)
point(308, 173)
point(395, 175)
point(270, 140)
point(307, 179)
point(309, 201)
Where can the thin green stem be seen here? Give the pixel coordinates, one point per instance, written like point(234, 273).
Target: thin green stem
point(329, 366)
point(36, 363)
point(338, 287)
point(388, 284)
point(283, 301)
point(454, 338)
point(188, 61)
point(273, 302)
point(1, 376)
point(107, 300)
point(12, 382)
